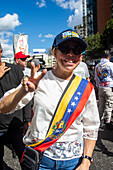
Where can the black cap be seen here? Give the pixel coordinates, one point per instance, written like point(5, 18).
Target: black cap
point(106, 53)
point(69, 35)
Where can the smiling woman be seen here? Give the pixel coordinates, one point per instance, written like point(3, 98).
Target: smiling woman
point(67, 100)
point(67, 49)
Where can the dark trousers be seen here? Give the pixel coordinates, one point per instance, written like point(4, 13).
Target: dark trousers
point(13, 136)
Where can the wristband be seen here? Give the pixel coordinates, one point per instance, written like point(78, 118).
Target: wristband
point(88, 157)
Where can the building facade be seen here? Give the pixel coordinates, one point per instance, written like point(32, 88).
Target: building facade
point(20, 43)
point(48, 60)
point(82, 28)
point(104, 13)
point(98, 13)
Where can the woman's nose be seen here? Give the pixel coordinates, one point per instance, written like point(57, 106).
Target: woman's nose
point(70, 52)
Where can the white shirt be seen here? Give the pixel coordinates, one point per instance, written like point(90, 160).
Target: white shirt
point(45, 101)
point(86, 125)
point(82, 70)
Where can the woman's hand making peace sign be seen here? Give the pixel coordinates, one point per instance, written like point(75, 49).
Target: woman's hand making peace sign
point(31, 83)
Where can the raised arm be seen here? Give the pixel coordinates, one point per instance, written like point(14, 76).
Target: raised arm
point(9, 102)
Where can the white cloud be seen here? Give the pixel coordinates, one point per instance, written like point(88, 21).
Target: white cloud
point(4, 40)
point(43, 40)
point(9, 22)
point(7, 47)
point(5, 37)
point(41, 4)
point(66, 4)
point(40, 35)
point(74, 6)
point(62, 3)
point(8, 34)
point(7, 50)
point(46, 36)
point(49, 36)
point(75, 19)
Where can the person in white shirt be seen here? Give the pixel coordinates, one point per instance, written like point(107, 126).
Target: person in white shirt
point(74, 149)
point(82, 70)
point(104, 83)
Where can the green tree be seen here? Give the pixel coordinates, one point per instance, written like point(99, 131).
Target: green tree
point(107, 35)
point(94, 46)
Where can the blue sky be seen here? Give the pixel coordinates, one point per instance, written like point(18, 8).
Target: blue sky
point(41, 20)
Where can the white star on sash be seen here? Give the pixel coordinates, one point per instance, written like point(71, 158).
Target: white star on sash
point(69, 111)
point(79, 93)
point(76, 98)
point(73, 103)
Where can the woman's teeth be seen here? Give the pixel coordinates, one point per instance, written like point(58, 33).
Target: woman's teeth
point(69, 61)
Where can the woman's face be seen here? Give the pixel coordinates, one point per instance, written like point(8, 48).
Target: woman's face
point(67, 62)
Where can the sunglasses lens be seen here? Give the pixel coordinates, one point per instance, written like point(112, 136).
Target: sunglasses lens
point(65, 49)
point(77, 50)
point(23, 59)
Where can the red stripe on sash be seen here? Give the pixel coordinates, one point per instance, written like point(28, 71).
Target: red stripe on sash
point(81, 104)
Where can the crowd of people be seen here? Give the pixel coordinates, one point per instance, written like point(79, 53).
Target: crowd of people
point(69, 90)
point(12, 126)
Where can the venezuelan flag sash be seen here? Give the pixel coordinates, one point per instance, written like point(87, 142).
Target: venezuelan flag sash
point(69, 108)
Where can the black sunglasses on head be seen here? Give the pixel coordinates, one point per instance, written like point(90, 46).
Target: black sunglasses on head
point(65, 49)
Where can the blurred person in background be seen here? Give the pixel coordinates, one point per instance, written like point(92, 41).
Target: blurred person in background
point(92, 77)
point(38, 67)
point(104, 83)
point(12, 126)
point(82, 69)
point(21, 60)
